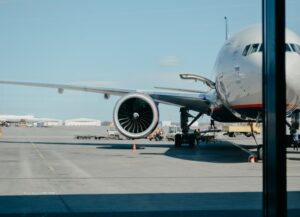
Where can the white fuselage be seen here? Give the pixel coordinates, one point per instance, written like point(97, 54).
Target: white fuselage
point(238, 71)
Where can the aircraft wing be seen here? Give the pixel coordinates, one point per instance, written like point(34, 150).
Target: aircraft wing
point(62, 87)
point(196, 102)
point(193, 101)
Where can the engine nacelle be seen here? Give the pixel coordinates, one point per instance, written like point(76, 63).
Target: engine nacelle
point(136, 115)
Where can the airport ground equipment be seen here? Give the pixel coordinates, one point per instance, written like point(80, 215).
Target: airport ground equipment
point(232, 130)
point(171, 132)
point(89, 137)
point(207, 136)
point(112, 133)
point(95, 137)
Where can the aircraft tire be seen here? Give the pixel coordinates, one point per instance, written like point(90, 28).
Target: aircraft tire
point(231, 134)
point(177, 140)
point(248, 134)
point(192, 141)
point(260, 154)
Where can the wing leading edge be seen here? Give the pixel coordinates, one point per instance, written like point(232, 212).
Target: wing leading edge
point(193, 101)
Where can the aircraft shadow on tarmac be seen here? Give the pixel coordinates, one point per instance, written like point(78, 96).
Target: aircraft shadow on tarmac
point(110, 145)
point(216, 152)
point(246, 204)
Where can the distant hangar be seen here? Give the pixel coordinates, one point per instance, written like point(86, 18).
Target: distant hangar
point(82, 122)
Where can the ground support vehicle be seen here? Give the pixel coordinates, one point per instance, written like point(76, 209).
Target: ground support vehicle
point(171, 132)
point(112, 133)
point(247, 130)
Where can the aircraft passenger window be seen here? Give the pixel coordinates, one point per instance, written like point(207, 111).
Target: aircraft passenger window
point(246, 50)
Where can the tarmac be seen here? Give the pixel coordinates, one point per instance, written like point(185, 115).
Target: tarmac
point(47, 172)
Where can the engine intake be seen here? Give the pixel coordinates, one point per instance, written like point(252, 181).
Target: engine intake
point(136, 115)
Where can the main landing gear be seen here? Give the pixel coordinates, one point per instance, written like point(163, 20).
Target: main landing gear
point(259, 147)
point(186, 137)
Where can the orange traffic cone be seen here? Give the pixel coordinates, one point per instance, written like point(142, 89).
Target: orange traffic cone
point(134, 147)
point(252, 159)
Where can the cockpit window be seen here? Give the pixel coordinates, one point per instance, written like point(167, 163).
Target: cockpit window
point(287, 48)
point(246, 50)
point(295, 48)
point(253, 48)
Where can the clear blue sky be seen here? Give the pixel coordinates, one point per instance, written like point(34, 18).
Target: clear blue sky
point(131, 44)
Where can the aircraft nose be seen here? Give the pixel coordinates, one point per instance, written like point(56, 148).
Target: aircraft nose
point(292, 66)
point(292, 78)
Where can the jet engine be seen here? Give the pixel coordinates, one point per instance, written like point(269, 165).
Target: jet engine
point(136, 115)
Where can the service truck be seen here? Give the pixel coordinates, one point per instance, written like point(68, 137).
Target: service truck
point(246, 129)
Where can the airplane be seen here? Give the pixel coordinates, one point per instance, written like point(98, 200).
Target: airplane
point(235, 95)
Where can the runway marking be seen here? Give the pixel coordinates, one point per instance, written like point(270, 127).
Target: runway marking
point(68, 208)
point(42, 157)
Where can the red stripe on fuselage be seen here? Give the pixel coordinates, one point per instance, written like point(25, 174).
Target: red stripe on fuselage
point(247, 106)
point(257, 106)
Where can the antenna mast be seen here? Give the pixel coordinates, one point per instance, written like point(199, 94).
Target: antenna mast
point(226, 28)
